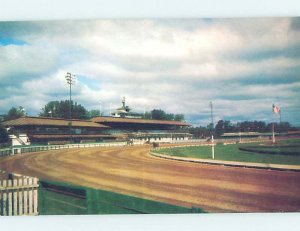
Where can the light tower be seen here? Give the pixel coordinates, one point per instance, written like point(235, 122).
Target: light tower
point(71, 81)
point(100, 112)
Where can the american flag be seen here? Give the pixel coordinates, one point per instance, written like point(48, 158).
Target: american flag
point(276, 109)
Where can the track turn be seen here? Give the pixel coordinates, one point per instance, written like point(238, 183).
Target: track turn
point(133, 171)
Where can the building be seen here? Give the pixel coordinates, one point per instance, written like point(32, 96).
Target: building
point(123, 125)
point(41, 130)
point(144, 130)
point(125, 112)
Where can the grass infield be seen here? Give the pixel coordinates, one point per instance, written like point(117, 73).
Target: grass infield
point(284, 152)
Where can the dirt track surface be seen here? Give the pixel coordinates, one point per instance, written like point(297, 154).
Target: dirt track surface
point(132, 171)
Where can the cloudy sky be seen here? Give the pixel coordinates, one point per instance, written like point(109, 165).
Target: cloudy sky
point(242, 65)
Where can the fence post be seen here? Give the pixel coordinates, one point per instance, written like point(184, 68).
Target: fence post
point(35, 196)
point(10, 199)
point(1, 202)
point(15, 197)
point(25, 197)
point(4, 199)
point(30, 197)
point(20, 197)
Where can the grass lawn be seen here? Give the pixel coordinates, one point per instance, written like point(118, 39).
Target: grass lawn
point(93, 201)
point(232, 153)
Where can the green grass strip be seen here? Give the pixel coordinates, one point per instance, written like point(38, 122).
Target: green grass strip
point(95, 201)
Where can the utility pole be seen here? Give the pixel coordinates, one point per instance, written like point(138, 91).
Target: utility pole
point(71, 81)
point(212, 127)
point(100, 107)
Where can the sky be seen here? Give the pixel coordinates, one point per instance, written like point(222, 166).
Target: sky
point(241, 65)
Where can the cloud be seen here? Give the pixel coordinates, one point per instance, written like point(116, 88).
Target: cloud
point(242, 65)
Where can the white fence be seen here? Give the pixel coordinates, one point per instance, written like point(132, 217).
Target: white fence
point(19, 196)
point(228, 140)
point(20, 150)
point(190, 141)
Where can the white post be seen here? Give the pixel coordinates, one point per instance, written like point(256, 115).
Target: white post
point(4, 202)
point(212, 147)
point(20, 197)
point(1, 202)
point(30, 197)
point(15, 202)
point(10, 202)
point(35, 196)
point(25, 198)
point(273, 134)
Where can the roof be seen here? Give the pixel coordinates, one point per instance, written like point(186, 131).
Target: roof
point(43, 121)
point(243, 134)
point(45, 136)
point(103, 119)
point(293, 132)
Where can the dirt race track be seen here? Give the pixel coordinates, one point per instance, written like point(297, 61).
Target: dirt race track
point(132, 171)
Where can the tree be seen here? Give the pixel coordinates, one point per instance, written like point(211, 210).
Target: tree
point(93, 113)
point(4, 138)
point(15, 113)
point(198, 132)
point(79, 112)
point(147, 115)
point(61, 109)
point(179, 117)
point(170, 116)
point(158, 114)
point(224, 126)
point(284, 126)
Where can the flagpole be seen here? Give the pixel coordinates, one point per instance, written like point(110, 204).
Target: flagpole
point(273, 135)
point(276, 110)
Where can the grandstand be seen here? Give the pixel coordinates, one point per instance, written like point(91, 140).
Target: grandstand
point(41, 130)
point(143, 130)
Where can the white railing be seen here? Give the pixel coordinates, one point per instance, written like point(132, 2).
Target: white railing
point(20, 150)
point(190, 141)
point(19, 196)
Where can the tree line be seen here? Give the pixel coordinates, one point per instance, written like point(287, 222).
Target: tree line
point(61, 109)
point(226, 126)
point(158, 114)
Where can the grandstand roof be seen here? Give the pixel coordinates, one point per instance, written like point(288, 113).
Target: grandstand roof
point(103, 119)
point(47, 136)
point(228, 134)
point(43, 121)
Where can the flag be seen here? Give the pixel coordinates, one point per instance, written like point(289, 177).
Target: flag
point(276, 109)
